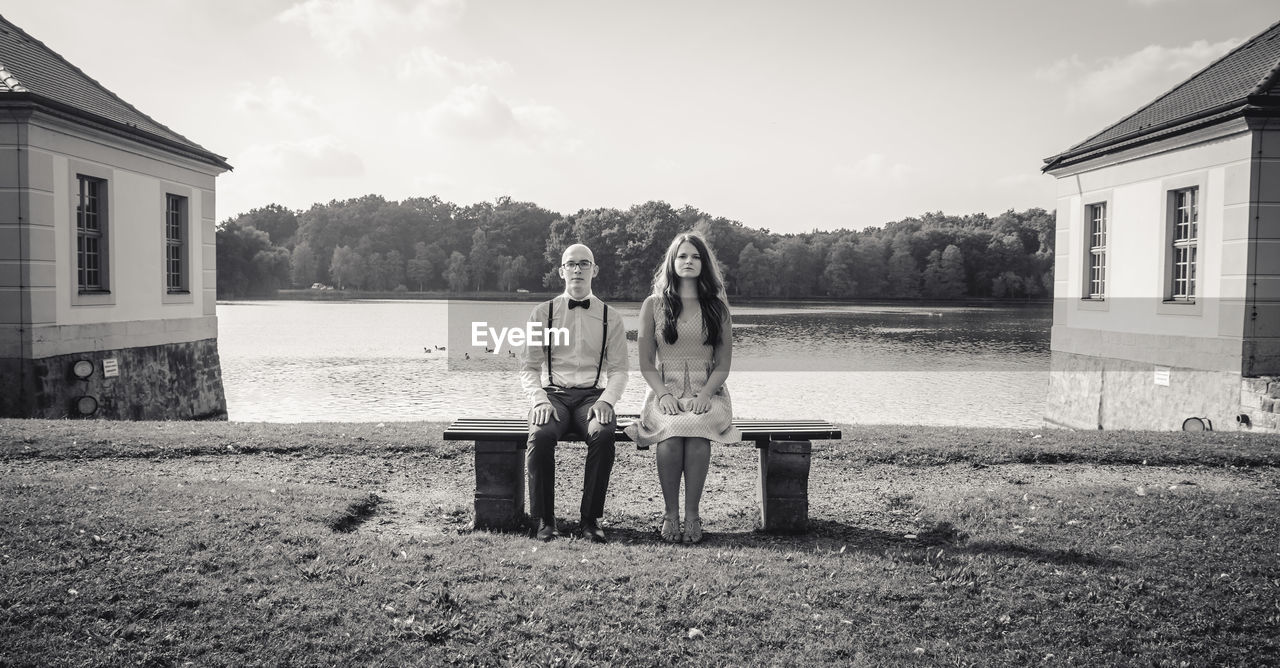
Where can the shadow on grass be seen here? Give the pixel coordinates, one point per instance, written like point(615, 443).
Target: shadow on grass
point(829, 535)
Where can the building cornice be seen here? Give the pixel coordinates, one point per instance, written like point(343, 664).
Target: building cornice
point(27, 103)
point(1191, 136)
point(1218, 116)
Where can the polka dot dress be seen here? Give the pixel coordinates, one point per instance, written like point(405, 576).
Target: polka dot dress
point(685, 366)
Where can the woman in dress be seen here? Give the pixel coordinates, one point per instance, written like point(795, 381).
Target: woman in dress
point(686, 346)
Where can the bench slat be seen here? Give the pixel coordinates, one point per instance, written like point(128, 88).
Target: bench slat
point(513, 423)
point(516, 429)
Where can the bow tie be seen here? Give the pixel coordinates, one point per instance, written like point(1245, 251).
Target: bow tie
point(574, 303)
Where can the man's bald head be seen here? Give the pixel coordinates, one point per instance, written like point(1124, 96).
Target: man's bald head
point(577, 268)
point(577, 252)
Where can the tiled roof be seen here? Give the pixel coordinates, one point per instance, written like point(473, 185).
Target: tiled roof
point(28, 66)
point(10, 83)
point(1226, 88)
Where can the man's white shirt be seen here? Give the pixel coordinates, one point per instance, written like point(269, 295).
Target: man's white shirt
point(575, 364)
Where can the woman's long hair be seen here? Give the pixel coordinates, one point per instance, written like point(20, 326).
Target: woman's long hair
point(666, 284)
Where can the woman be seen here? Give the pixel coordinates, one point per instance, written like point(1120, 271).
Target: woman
point(686, 346)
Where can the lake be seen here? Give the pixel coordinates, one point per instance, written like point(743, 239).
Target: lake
point(379, 360)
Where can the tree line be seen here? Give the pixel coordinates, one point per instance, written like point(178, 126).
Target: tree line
point(426, 244)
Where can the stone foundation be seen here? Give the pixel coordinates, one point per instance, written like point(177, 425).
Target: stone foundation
point(173, 381)
point(1260, 404)
point(1087, 392)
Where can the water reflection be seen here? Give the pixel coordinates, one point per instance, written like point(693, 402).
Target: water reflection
point(922, 340)
point(375, 361)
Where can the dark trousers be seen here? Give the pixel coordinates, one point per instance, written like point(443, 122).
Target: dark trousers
point(573, 413)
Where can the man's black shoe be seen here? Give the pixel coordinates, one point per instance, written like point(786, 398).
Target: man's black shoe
point(547, 530)
point(592, 532)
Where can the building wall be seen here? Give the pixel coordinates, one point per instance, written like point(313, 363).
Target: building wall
point(1262, 314)
point(43, 316)
point(1134, 361)
point(27, 263)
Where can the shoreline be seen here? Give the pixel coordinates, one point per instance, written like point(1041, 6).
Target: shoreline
point(305, 294)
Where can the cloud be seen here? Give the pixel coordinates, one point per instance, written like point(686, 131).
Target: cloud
point(476, 112)
point(322, 157)
point(1126, 81)
point(473, 111)
point(546, 127)
point(432, 182)
point(1060, 70)
point(341, 25)
point(276, 99)
point(425, 61)
point(664, 165)
point(1022, 180)
point(877, 169)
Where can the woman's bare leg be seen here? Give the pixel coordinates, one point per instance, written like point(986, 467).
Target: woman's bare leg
point(670, 458)
point(697, 461)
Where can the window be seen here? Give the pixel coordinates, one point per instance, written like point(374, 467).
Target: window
point(91, 234)
point(1184, 219)
point(175, 244)
point(1096, 281)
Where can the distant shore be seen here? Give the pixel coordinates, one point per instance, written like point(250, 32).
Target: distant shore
point(494, 295)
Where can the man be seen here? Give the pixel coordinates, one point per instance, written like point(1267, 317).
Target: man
point(574, 385)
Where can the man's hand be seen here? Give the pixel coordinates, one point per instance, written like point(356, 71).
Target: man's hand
point(602, 412)
point(699, 405)
point(542, 413)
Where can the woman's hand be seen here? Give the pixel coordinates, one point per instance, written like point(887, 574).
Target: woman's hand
point(699, 405)
point(668, 404)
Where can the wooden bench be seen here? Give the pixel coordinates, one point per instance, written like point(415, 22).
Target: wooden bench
point(783, 445)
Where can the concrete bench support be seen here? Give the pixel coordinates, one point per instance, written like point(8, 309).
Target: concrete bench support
point(500, 485)
point(784, 447)
point(784, 485)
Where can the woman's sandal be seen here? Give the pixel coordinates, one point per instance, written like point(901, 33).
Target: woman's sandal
point(671, 528)
point(693, 530)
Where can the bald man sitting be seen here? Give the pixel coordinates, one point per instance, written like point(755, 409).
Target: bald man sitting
point(574, 385)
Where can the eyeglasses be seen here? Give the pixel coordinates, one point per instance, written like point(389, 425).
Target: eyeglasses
point(584, 265)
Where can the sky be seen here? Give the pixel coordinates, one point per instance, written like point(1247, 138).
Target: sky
point(788, 116)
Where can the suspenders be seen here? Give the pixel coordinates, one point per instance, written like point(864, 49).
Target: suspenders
point(551, 307)
point(604, 343)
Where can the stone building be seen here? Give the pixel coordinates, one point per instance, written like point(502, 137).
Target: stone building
point(107, 282)
point(1167, 274)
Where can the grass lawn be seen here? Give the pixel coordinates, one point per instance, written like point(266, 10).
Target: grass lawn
point(325, 544)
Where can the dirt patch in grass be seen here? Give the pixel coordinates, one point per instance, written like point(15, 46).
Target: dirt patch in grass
point(350, 518)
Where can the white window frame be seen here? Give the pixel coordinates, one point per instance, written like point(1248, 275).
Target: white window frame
point(184, 294)
point(1090, 253)
point(104, 293)
point(1184, 235)
point(93, 269)
point(176, 262)
point(1095, 232)
point(1172, 302)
